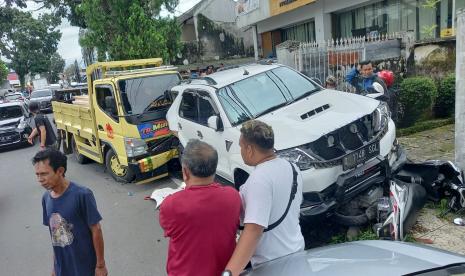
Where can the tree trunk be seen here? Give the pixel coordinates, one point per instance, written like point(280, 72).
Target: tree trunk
point(22, 80)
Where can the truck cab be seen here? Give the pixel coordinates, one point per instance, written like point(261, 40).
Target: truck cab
point(121, 122)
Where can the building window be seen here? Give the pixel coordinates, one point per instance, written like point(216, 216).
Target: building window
point(390, 16)
point(304, 32)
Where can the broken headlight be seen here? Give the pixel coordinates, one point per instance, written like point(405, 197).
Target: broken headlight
point(299, 157)
point(381, 116)
point(135, 147)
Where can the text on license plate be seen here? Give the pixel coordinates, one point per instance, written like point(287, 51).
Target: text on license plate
point(361, 155)
point(5, 138)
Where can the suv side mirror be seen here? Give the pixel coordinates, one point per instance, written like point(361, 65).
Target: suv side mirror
point(215, 123)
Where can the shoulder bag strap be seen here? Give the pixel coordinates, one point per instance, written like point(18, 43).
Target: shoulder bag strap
point(291, 198)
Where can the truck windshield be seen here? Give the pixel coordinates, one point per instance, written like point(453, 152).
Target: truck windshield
point(263, 93)
point(146, 94)
point(41, 93)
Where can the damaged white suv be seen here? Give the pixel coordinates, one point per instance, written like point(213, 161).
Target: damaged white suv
point(343, 143)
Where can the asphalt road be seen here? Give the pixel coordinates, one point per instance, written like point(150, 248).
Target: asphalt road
point(134, 242)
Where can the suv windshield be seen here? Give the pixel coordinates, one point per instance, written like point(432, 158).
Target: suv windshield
point(263, 93)
point(145, 94)
point(10, 112)
point(41, 93)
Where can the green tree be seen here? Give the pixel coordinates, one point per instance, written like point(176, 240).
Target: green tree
point(57, 65)
point(125, 29)
point(27, 42)
point(3, 71)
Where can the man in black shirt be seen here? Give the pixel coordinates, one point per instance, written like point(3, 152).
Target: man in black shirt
point(43, 128)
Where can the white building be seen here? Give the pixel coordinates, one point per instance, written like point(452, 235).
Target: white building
point(216, 42)
point(275, 21)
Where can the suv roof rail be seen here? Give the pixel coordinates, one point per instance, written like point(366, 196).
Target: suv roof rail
point(230, 67)
point(142, 70)
point(208, 80)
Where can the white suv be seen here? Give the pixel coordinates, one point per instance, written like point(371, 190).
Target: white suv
point(343, 143)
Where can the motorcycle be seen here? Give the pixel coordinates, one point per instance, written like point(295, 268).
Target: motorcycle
point(409, 189)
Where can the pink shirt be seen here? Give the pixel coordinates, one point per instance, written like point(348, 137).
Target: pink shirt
point(201, 222)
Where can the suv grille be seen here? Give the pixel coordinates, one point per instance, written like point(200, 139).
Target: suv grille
point(346, 139)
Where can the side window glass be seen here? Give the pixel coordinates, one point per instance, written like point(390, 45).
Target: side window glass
point(173, 94)
point(106, 101)
point(207, 108)
point(188, 109)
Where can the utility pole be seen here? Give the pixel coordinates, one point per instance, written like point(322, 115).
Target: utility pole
point(460, 91)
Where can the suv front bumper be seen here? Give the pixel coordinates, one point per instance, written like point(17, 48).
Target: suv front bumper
point(320, 205)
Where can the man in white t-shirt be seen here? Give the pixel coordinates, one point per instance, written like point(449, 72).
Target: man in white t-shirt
point(265, 197)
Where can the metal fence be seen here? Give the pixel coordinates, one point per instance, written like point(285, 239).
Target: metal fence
point(328, 58)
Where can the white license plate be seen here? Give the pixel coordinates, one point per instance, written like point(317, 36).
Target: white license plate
point(360, 156)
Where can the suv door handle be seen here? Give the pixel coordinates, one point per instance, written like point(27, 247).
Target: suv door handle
point(199, 134)
point(179, 126)
point(100, 127)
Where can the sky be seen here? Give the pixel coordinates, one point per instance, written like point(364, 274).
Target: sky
point(69, 48)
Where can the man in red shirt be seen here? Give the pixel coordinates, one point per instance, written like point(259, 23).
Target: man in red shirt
point(201, 220)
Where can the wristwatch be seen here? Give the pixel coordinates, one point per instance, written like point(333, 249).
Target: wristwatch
point(226, 273)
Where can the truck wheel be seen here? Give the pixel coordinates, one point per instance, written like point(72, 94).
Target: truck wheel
point(81, 159)
point(119, 172)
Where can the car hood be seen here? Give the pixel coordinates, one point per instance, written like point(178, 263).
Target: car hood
point(321, 113)
point(41, 99)
point(9, 124)
point(363, 257)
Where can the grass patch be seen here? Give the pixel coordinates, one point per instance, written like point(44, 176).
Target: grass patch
point(424, 125)
point(365, 234)
point(441, 209)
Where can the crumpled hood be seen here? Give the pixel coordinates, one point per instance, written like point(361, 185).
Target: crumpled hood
point(337, 109)
point(9, 123)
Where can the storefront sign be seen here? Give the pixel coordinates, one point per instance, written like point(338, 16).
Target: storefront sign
point(282, 6)
point(246, 6)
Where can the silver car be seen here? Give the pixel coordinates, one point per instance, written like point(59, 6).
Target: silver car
point(374, 257)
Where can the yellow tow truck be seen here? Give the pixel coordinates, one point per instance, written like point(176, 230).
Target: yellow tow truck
point(121, 122)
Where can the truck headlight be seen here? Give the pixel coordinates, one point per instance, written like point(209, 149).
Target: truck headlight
point(299, 157)
point(135, 147)
point(381, 116)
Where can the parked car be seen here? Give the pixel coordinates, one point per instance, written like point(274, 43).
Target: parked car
point(16, 97)
point(14, 127)
point(374, 257)
point(344, 144)
point(44, 98)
